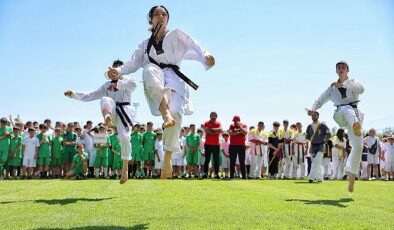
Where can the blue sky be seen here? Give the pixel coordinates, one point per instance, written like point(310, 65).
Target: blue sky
point(274, 58)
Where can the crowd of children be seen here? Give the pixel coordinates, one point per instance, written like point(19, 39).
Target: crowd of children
point(33, 150)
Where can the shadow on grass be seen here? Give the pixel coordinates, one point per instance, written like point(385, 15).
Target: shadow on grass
point(59, 201)
point(336, 203)
point(135, 227)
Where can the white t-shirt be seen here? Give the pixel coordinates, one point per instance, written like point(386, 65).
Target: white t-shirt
point(389, 153)
point(30, 144)
point(159, 149)
point(371, 141)
point(337, 151)
point(202, 143)
point(88, 139)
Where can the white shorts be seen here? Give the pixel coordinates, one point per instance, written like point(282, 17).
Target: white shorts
point(158, 164)
point(202, 159)
point(225, 162)
point(178, 162)
point(382, 164)
point(389, 166)
point(373, 158)
point(29, 163)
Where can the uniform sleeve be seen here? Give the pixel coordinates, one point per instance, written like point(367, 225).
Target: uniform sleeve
point(354, 86)
point(126, 83)
point(187, 48)
point(90, 96)
point(328, 132)
point(324, 97)
point(135, 62)
point(308, 133)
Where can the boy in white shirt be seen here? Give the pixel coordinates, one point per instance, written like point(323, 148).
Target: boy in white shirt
point(30, 153)
point(159, 152)
point(389, 158)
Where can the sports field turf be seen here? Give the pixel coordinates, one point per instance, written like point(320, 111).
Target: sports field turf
point(195, 204)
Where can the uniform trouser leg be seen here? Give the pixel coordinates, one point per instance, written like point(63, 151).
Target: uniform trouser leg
point(347, 116)
point(259, 165)
point(316, 170)
point(354, 158)
point(335, 165)
point(123, 132)
point(154, 87)
point(253, 165)
point(287, 161)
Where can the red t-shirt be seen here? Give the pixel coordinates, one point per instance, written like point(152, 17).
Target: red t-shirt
point(238, 139)
point(212, 139)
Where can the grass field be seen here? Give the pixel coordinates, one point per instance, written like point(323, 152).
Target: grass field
point(195, 204)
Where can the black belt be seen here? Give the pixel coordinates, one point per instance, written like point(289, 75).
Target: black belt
point(126, 121)
point(175, 68)
point(352, 104)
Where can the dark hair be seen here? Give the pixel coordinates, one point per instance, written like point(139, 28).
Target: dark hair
point(192, 125)
point(150, 14)
point(213, 113)
point(47, 120)
point(260, 123)
point(341, 134)
point(149, 123)
point(117, 63)
point(343, 63)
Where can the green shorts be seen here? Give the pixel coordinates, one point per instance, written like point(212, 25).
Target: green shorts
point(14, 162)
point(57, 162)
point(3, 156)
point(136, 156)
point(192, 159)
point(43, 161)
point(77, 172)
point(101, 161)
point(110, 159)
point(149, 156)
point(117, 164)
point(68, 156)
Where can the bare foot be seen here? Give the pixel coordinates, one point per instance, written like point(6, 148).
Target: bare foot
point(169, 124)
point(108, 120)
point(351, 179)
point(124, 176)
point(357, 129)
point(165, 175)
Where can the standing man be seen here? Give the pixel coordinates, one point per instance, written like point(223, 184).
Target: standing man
point(287, 135)
point(299, 149)
point(318, 134)
point(237, 132)
point(258, 149)
point(373, 145)
point(89, 146)
point(213, 129)
point(274, 151)
point(344, 93)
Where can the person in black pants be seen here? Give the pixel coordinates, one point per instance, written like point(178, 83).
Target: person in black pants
point(274, 147)
point(237, 146)
point(213, 129)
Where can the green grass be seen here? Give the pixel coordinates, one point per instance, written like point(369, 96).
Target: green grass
point(195, 204)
